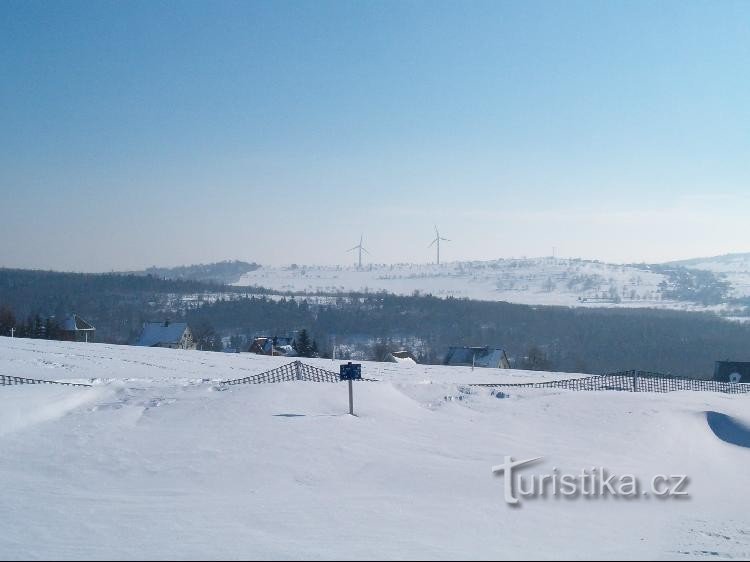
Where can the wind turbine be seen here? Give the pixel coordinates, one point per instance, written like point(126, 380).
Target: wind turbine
point(437, 240)
point(361, 249)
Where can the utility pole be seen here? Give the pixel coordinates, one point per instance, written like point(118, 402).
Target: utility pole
point(12, 332)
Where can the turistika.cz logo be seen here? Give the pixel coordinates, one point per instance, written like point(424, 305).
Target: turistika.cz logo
point(596, 482)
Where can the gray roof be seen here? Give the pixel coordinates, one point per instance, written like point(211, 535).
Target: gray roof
point(155, 333)
point(481, 356)
point(75, 323)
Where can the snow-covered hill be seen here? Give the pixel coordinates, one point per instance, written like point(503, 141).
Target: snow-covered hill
point(157, 460)
point(541, 281)
point(734, 268)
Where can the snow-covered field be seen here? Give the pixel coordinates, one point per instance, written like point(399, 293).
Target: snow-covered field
point(541, 281)
point(158, 461)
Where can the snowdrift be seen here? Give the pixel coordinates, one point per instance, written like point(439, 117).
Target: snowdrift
point(157, 460)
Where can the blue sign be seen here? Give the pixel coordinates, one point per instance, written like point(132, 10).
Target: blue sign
point(350, 372)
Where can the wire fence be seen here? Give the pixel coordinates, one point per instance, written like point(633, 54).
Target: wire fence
point(296, 371)
point(5, 380)
point(634, 381)
point(625, 381)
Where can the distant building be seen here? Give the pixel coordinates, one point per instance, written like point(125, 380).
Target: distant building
point(485, 357)
point(732, 371)
point(75, 328)
point(277, 346)
point(404, 357)
point(172, 335)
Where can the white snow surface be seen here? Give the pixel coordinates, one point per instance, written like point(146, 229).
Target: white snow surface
point(538, 281)
point(157, 460)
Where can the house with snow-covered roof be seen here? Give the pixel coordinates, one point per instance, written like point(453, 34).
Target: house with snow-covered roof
point(172, 335)
point(75, 328)
point(485, 357)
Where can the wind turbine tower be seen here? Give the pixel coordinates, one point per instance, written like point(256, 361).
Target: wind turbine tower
point(361, 249)
point(436, 241)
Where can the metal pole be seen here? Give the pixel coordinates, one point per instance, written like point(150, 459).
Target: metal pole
point(12, 332)
point(351, 399)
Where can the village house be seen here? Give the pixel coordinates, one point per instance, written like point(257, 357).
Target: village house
point(485, 357)
point(172, 335)
point(75, 328)
point(277, 346)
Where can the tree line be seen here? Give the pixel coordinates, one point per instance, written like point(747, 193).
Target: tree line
point(550, 338)
point(35, 327)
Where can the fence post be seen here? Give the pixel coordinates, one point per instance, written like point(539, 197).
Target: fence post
point(351, 399)
point(635, 381)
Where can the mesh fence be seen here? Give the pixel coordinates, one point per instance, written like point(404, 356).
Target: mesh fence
point(296, 371)
point(634, 381)
point(8, 381)
point(626, 381)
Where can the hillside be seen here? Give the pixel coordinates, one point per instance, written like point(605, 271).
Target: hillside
point(542, 281)
point(158, 461)
point(735, 268)
point(539, 281)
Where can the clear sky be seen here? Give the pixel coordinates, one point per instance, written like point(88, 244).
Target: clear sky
point(162, 133)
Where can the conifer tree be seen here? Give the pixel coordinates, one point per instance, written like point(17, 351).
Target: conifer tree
point(302, 344)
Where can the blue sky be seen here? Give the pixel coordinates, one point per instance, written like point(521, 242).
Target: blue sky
point(141, 133)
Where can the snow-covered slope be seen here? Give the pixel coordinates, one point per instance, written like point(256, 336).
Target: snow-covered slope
point(156, 460)
point(734, 268)
point(542, 281)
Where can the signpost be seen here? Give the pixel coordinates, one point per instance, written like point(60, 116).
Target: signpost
point(350, 372)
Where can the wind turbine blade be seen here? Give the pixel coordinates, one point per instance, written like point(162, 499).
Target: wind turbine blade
point(446, 239)
point(355, 248)
point(432, 243)
point(365, 251)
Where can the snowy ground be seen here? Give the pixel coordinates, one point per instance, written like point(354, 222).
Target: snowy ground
point(541, 281)
point(157, 460)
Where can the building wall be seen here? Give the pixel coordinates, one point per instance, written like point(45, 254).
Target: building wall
point(187, 340)
point(77, 336)
point(724, 369)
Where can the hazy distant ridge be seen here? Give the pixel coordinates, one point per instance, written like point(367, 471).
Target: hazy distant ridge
point(225, 272)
